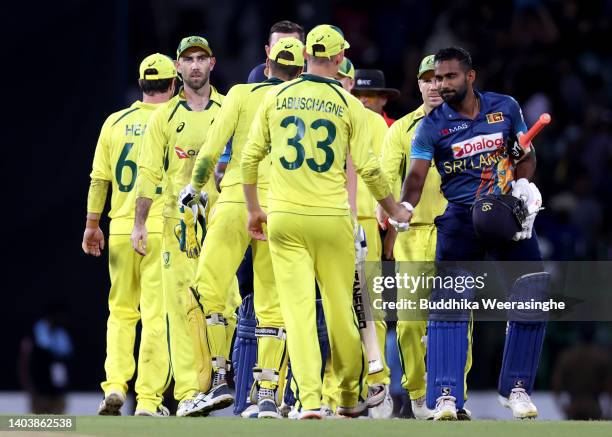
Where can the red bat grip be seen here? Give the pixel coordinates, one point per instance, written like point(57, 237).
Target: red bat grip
point(525, 140)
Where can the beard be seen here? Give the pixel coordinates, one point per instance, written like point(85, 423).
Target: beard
point(195, 83)
point(455, 96)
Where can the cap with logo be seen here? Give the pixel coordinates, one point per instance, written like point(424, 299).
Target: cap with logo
point(346, 68)
point(427, 64)
point(325, 40)
point(373, 80)
point(294, 49)
point(193, 41)
point(157, 67)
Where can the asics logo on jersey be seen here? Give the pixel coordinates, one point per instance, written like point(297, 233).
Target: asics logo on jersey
point(452, 130)
point(181, 126)
point(478, 144)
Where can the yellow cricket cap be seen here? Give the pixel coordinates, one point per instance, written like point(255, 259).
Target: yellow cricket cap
point(427, 64)
point(193, 41)
point(293, 46)
point(156, 67)
point(346, 68)
point(328, 41)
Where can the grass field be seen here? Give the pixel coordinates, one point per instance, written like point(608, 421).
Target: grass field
point(179, 427)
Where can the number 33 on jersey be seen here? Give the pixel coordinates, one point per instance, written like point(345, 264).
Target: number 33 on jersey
point(115, 161)
point(310, 124)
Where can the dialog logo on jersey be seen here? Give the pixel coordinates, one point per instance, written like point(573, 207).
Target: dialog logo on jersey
point(478, 144)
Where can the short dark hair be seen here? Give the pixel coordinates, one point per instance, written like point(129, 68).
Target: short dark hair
point(150, 87)
point(458, 53)
point(288, 71)
point(287, 26)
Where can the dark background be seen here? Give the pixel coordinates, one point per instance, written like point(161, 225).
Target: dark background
point(71, 63)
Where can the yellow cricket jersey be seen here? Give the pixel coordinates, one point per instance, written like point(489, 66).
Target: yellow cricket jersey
point(366, 204)
point(171, 144)
point(308, 125)
point(234, 121)
point(115, 158)
point(394, 161)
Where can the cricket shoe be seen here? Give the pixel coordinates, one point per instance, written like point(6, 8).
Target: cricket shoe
point(464, 414)
point(111, 404)
point(520, 404)
point(191, 407)
point(250, 412)
point(217, 398)
point(384, 410)
point(446, 409)
point(310, 415)
point(353, 412)
point(293, 414)
point(376, 394)
point(160, 412)
point(420, 410)
point(267, 404)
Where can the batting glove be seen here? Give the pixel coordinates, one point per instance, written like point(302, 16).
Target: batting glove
point(529, 193)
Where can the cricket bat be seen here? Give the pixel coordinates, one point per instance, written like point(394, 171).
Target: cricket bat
point(363, 309)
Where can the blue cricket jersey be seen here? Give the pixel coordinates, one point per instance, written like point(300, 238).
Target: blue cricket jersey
point(471, 155)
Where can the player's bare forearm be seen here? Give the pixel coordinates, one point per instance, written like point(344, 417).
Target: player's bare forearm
point(250, 196)
point(526, 167)
point(413, 185)
point(143, 205)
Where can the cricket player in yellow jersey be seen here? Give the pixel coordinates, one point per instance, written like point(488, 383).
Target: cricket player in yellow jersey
point(227, 237)
point(135, 281)
point(416, 248)
point(174, 134)
point(308, 126)
point(366, 217)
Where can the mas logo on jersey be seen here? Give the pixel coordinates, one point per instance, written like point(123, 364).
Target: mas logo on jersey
point(477, 145)
point(495, 117)
point(452, 130)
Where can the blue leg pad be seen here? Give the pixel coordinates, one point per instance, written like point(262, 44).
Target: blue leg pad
point(447, 344)
point(244, 355)
point(522, 350)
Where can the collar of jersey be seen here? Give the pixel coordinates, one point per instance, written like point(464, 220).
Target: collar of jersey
point(141, 104)
point(274, 80)
point(451, 114)
point(214, 97)
point(315, 78)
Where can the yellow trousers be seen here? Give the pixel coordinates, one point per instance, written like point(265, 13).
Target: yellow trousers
point(187, 333)
point(136, 294)
point(415, 250)
point(226, 242)
point(305, 248)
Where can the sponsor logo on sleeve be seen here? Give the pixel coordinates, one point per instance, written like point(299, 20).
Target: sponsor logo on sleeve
point(495, 117)
point(478, 144)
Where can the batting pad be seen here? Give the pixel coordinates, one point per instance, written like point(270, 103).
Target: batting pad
point(447, 344)
point(244, 355)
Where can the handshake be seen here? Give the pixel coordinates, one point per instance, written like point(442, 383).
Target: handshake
point(399, 218)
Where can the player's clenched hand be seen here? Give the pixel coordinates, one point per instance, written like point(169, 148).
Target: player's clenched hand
point(381, 217)
point(256, 220)
point(400, 219)
point(139, 239)
point(93, 241)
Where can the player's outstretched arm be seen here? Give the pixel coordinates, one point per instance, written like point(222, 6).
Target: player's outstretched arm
point(139, 233)
point(415, 181)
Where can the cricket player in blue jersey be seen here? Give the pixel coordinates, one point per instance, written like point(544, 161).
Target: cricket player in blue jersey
point(472, 139)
